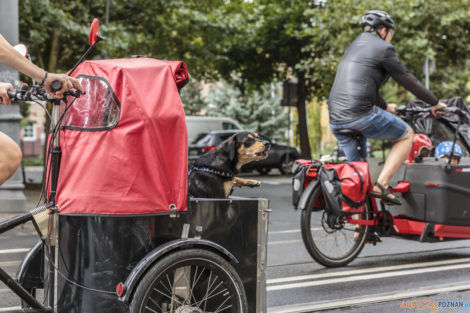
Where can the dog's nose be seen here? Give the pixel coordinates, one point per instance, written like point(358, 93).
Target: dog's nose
point(266, 145)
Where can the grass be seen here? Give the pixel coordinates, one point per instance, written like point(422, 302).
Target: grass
point(33, 161)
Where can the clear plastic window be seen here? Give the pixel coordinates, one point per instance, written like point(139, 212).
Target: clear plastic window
point(97, 109)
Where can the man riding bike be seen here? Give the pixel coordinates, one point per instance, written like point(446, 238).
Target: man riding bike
point(355, 102)
point(10, 153)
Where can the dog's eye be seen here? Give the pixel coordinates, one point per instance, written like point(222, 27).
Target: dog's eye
point(249, 142)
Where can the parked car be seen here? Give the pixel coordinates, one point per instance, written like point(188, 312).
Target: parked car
point(199, 126)
point(279, 156)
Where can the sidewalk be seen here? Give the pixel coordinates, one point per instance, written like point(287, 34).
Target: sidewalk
point(32, 197)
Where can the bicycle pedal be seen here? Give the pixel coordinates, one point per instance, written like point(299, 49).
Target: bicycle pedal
point(373, 239)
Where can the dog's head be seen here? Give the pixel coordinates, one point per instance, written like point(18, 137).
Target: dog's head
point(244, 147)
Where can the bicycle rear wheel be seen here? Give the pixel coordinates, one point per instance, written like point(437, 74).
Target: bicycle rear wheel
point(331, 240)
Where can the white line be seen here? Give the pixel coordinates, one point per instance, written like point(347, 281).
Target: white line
point(290, 231)
point(367, 277)
point(367, 270)
point(12, 308)
point(337, 303)
point(283, 242)
point(5, 291)
point(8, 251)
point(284, 231)
point(10, 263)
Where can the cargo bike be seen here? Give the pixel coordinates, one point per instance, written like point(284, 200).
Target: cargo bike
point(434, 195)
point(118, 233)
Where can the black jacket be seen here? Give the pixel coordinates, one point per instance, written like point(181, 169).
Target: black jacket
point(367, 65)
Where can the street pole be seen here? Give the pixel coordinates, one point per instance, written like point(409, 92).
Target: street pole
point(426, 72)
point(12, 198)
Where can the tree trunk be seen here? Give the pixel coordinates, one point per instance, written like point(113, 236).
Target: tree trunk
point(305, 151)
point(54, 56)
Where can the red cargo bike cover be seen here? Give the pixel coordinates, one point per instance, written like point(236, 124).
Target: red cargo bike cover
point(138, 165)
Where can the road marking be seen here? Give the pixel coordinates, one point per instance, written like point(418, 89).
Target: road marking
point(10, 263)
point(289, 231)
point(367, 270)
point(367, 277)
point(343, 303)
point(9, 251)
point(284, 231)
point(283, 242)
point(12, 308)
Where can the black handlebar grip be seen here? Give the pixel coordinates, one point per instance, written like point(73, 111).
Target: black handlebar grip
point(11, 94)
point(56, 85)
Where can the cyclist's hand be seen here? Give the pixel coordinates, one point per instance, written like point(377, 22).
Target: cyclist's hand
point(3, 92)
point(392, 108)
point(438, 109)
point(67, 84)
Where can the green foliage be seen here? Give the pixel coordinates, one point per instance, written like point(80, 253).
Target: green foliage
point(254, 43)
point(314, 123)
point(56, 32)
point(258, 111)
point(32, 161)
point(191, 96)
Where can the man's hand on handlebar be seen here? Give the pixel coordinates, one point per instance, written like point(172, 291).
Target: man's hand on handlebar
point(439, 109)
point(66, 81)
point(392, 108)
point(4, 87)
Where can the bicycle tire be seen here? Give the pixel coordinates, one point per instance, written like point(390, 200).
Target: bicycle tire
point(312, 241)
point(175, 268)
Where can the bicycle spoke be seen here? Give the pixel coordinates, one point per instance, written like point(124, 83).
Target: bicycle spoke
point(192, 286)
point(217, 310)
point(155, 302)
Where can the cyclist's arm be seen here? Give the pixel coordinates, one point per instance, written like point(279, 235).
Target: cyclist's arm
point(11, 58)
point(381, 103)
point(401, 75)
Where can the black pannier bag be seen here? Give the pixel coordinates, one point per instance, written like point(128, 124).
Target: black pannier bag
point(344, 187)
point(303, 172)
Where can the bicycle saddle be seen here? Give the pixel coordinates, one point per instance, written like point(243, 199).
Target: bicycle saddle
point(349, 132)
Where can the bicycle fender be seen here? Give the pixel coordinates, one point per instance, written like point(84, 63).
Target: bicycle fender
point(153, 256)
point(306, 194)
point(30, 272)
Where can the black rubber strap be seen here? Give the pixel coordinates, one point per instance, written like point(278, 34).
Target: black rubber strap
point(44, 79)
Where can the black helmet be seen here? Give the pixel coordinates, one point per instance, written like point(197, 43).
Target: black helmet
point(376, 19)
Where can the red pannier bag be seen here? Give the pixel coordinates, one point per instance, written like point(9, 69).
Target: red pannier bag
point(345, 187)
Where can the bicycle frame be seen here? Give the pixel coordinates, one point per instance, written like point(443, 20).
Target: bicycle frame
point(50, 206)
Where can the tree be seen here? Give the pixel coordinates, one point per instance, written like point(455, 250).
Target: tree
point(191, 96)
point(253, 43)
point(265, 44)
point(258, 111)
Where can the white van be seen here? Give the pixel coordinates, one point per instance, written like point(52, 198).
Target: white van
point(199, 126)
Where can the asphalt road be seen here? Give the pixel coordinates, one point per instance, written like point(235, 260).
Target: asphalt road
point(382, 279)
point(379, 280)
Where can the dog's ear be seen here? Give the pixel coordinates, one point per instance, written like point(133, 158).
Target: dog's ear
point(229, 147)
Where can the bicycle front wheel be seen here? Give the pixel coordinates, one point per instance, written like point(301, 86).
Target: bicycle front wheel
point(192, 280)
point(329, 239)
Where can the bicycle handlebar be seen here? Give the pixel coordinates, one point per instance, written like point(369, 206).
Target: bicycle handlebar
point(403, 110)
point(38, 93)
point(56, 85)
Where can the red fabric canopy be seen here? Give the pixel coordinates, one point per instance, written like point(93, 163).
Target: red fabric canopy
point(137, 166)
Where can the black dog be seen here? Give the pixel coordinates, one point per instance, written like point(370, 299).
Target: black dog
point(212, 175)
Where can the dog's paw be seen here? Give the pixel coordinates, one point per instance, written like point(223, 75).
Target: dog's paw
point(253, 183)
